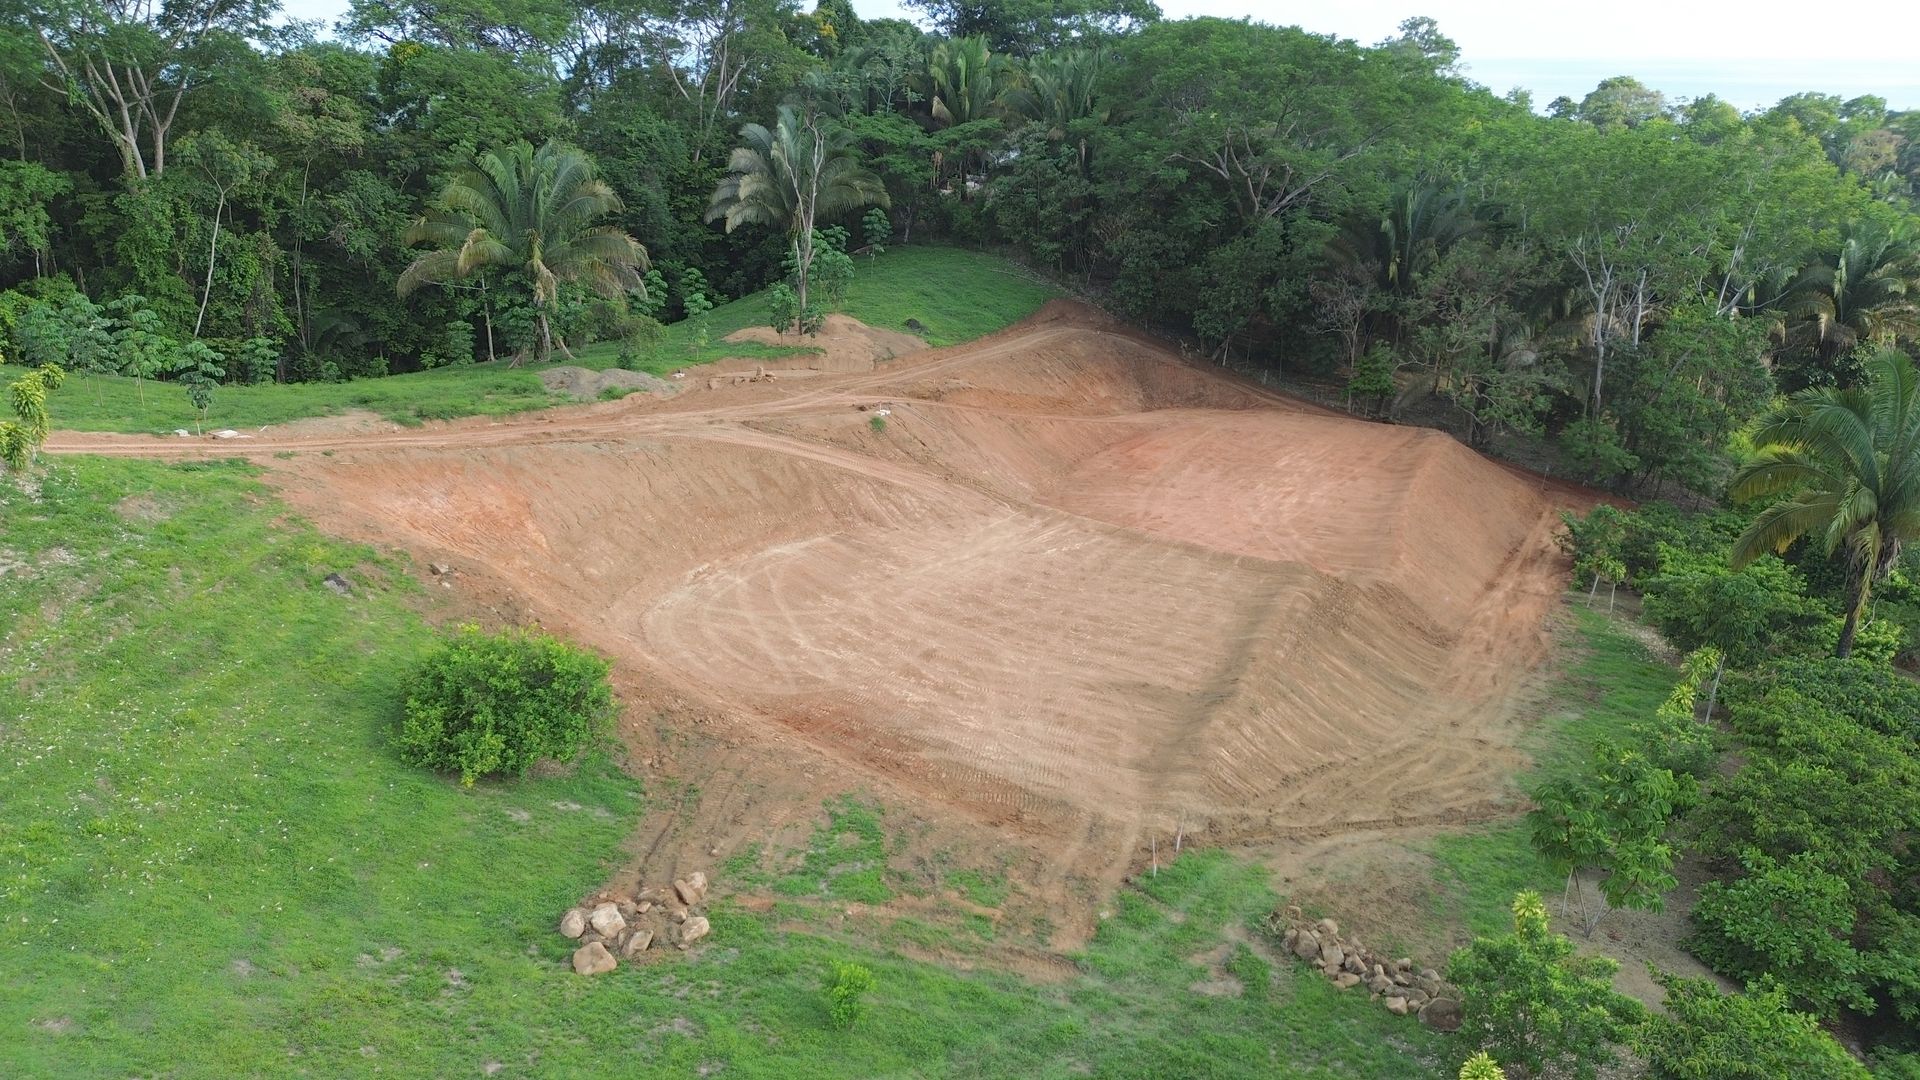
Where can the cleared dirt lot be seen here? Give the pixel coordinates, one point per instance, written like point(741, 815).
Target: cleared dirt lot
point(1073, 591)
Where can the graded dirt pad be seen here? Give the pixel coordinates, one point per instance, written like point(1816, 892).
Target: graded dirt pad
point(1072, 594)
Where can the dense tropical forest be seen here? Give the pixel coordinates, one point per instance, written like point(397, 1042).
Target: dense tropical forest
point(1668, 300)
point(195, 187)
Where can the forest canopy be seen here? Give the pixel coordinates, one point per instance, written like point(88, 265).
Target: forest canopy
point(1624, 282)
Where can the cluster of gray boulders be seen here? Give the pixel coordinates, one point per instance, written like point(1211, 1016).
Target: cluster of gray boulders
point(612, 926)
point(1394, 982)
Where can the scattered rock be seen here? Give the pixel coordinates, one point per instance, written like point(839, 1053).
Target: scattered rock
point(1441, 1014)
point(1331, 952)
point(1346, 980)
point(1379, 984)
point(692, 889)
point(1354, 965)
point(1397, 1006)
point(440, 569)
point(593, 959)
point(643, 906)
point(693, 930)
point(573, 923)
point(606, 921)
point(1327, 928)
point(1307, 945)
point(640, 942)
point(678, 915)
point(338, 584)
point(916, 326)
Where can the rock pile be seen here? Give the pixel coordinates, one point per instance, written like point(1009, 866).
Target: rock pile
point(1394, 982)
point(612, 926)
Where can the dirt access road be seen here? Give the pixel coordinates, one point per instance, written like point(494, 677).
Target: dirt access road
point(1075, 596)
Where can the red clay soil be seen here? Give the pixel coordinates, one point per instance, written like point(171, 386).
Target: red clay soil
point(1076, 594)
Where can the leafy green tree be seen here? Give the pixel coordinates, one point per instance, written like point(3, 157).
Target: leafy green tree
point(1703, 1034)
point(1697, 600)
point(129, 67)
point(531, 213)
point(795, 176)
point(1846, 467)
point(197, 369)
point(876, 228)
point(1597, 542)
point(1027, 27)
point(1372, 379)
point(140, 343)
point(1790, 921)
point(20, 437)
point(1611, 817)
point(1529, 1000)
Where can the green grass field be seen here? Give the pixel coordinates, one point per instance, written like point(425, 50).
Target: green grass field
point(956, 294)
point(213, 865)
point(1612, 681)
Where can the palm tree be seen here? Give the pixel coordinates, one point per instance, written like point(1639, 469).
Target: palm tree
point(1060, 90)
point(1848, 463)
point(531, 212)
point(1867, 290)
point(966, 87)
point(802, 170)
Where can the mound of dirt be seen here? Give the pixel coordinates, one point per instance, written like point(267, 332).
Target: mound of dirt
point(587, 385)
point(846, 345)
point(1068, 583)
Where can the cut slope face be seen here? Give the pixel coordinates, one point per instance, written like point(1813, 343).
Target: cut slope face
point(1072, 582)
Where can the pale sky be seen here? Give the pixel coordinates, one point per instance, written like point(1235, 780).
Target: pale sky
point(1752, 53)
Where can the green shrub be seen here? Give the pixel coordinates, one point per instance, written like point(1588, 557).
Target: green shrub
point(846, 994)
point(1707, 1035)
point(1481, 1067)
point(1786, 920)
point(493, 704)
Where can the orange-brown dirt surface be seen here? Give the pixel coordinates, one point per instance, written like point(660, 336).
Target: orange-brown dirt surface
point(1078, 596)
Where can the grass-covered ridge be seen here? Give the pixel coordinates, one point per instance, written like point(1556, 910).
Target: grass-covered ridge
point(956, 294)
point(212, 863)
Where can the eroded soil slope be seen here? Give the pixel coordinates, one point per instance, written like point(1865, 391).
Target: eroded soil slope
point(1070, 587)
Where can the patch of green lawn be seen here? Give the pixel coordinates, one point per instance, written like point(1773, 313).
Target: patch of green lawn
point(957, 295)
point(112, 403)
point(213, 865)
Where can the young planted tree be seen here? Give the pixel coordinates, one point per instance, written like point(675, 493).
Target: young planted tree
point(1531, 1002)
point(1846, 464)
point(1612, 819)
point(198, 370)
point(801, 171)
point(530, 213)
point(1597, 544)
point(20, 437)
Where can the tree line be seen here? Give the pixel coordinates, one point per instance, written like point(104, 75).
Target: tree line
point(1627, 278)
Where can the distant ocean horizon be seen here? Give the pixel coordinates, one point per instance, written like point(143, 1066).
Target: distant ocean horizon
point(1745, 84)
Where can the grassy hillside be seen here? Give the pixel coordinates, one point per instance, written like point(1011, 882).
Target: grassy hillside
point(956, 294)
point(213, 865)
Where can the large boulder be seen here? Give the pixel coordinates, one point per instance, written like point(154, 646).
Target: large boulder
point(1442, 1014)
point(607, 921)
point(641, 940)
point(593, 959)
point(1307, 945)
point(695, 928)
point(1397, 1006)
point(573, 923)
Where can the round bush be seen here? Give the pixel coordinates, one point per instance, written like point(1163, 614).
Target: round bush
point(493, 704)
